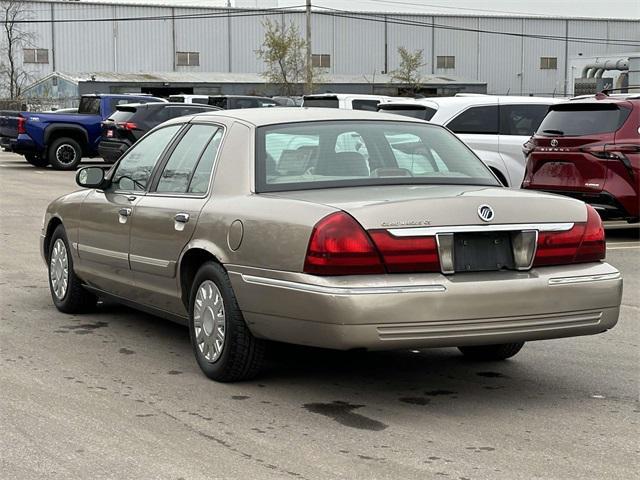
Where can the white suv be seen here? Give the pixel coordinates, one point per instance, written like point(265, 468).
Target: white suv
point(349, 101)
point(494, 127)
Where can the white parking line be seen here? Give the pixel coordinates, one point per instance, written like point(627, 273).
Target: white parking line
point(623, 248)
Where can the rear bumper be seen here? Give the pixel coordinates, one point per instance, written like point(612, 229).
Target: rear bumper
point(604, 202)
point(428, 310)
point(20, 145)
point(111, 150)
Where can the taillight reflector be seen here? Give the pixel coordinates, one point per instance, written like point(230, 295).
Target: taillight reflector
point(585, 242)
point(340, 246)
point(407, 254)
point(126, 125)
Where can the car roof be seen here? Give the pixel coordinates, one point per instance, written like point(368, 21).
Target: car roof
point(270, 116)
point(345, 95)
point(620, 98)
point(130, 106)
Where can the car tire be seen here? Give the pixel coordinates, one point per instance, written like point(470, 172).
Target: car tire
point(65, 154)
point(491, 352)
point(212, 304)
point(67, 292)
point(36, 160)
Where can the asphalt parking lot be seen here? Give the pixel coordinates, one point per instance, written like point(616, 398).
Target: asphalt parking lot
point(117, 394)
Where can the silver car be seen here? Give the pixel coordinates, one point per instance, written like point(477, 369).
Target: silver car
point(332, 228)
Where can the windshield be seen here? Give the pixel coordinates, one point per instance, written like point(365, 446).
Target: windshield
point(582, 119)
point(329, 154)
point(322, 102)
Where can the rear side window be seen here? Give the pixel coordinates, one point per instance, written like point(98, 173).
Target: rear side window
point(322, 102)
point(176, 99)
point(370, 105)
point(179, 169)
point(583, 119)
point(220, 102)
point(481, 120)
point(89, 106)
point(422, 113)
point(521, 119)
point(202, 100)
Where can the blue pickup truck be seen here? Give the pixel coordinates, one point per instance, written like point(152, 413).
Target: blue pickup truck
point(62, 139)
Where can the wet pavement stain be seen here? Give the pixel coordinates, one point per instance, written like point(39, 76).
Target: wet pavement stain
point(126, 351)
point(239, 397)
point(342, 412)
point(491, 374)
point(84, 328)
point(436, 393)
point(415, 400)
point(174, 372)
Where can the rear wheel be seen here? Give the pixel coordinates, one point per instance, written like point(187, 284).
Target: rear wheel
point(224, 347)
point(67, 291)
point(65, 154)
point(491, 352)
point(36, 160)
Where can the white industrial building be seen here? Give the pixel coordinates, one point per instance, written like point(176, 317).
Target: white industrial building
point(513, 55)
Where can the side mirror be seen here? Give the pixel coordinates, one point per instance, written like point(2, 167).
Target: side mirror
point(90, 177)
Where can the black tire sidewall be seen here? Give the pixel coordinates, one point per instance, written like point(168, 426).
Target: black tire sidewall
point(53, 160)
point(36, 160)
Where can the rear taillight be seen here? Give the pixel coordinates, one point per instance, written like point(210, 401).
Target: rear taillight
point(340, 246)
point(407, 254)
point(611, 151)
point(583, 243)
point(126, 126)
point(22, 125)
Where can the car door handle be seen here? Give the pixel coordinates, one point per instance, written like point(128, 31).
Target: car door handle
point(125, 212)
point(181, 217)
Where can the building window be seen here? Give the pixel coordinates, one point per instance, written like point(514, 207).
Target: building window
point(188, 59)
point(36, 55)
point(446, 62)
point(548, 63)
point(321, 60)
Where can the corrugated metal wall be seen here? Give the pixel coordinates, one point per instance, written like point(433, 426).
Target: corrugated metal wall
point(357, 46)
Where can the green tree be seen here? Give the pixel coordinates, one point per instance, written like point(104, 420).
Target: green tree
point(284, 54)
point(408, 72)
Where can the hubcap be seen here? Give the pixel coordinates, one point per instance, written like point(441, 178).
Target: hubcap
point(66, 154)
point(59, 269)
point(209, 321)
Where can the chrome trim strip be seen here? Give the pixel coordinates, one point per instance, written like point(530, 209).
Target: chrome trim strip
point(584, 278)
point(430, 231)
point(102, 252)
point(306, 287)
point(155, 262)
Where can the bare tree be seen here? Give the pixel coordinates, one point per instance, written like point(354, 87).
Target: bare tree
point(408, 73)
point(284, 53)
point(15, 37)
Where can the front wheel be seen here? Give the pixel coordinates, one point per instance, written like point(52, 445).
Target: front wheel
point(224, 348)
point(67, 292)
point(36, 160)
point(65, 154)
point(491, 352)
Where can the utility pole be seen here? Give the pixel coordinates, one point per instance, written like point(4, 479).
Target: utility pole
point(308, 85)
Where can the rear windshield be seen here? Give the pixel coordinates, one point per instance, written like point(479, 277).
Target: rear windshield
point(89, 106)
point(121, 116)
point(310, 155)
point(583, 119)
point(323, 102)
point(422, 113)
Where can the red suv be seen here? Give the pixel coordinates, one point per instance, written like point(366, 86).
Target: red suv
point(589, 148)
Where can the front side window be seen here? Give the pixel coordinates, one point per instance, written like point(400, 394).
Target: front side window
point(180, 167)
point(521, 119)
point(362, 153)
point(134, 170)
point(479, 120)
point(370, 105)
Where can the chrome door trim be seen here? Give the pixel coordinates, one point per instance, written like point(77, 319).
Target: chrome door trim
point(321, 289)
point(101, 252)
point(432, 231)
point(155, 262)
